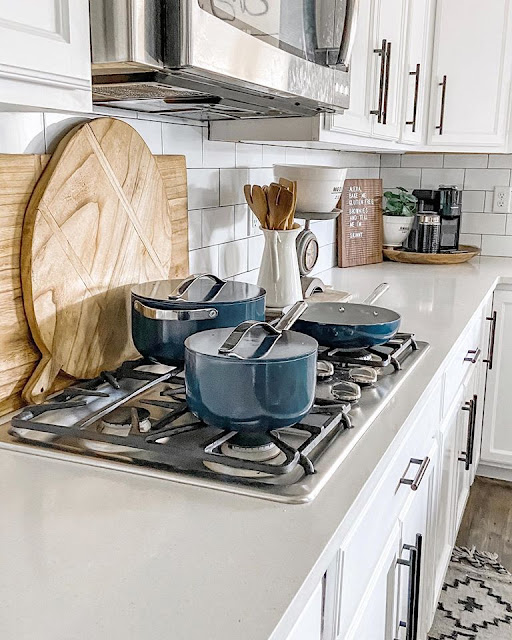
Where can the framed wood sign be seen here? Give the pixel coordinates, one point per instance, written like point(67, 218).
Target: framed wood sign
point(360, 223)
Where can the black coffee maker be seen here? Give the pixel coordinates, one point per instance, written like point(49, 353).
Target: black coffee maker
point(445, 201)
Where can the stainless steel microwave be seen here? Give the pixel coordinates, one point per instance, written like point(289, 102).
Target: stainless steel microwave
point(223, 59)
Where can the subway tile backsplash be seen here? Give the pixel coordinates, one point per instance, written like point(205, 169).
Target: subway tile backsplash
point(221, 236)
point(477, 174)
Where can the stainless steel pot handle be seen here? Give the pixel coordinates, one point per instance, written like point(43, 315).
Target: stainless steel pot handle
point(274, 330)
point(376, 293)
point(185, 285)
point(206, 313)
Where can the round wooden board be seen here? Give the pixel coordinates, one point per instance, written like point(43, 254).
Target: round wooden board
point(409, 257)
point(98, 221)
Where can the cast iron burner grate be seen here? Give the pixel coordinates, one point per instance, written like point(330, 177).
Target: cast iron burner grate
point(393, 353)
point(172, 436)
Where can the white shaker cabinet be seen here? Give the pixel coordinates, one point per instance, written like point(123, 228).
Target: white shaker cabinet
point(375, 99)
point(309, 623)
point(497, 431)
point(416, 562)
point(377, 617)
point(356, 119)
point(386, 76)
point(45, 55)
point(471, 74)
point(416, 74)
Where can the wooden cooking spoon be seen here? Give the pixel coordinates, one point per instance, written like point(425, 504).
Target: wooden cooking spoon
point(272, 195)
point(257, 201)
point(292, 186)
point(285, 208)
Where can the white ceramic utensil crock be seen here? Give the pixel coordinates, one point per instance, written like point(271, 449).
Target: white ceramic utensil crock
point(279, 271)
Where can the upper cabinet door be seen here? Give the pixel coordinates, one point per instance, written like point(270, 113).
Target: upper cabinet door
point(356, 119)
point(471, 77)
point(45, 54)
point(386, 76)
point(417, 69)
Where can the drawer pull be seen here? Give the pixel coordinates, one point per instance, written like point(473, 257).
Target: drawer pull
point(473, 355)
point(416, 481)
point(413, 588)
point(492, 337)
point(467, 456)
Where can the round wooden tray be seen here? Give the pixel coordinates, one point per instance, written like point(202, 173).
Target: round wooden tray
point(409, 257)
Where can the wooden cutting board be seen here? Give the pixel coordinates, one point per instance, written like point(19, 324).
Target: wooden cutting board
point(101, 218)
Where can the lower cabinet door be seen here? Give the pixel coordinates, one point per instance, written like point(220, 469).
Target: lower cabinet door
point(447, 483)
point(417, 556)
point(376, 617)
point(309, 624)
point(497, 431)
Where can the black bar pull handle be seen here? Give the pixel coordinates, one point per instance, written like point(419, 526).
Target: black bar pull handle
point(492, 336)
point(416, 481)
point(382, 53)
point(440, 126)
point(473, 355)
point(386, 84)
point(413, 587)
point(415, 73)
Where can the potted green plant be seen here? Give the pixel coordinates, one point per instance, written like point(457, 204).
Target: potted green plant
point(398, 215)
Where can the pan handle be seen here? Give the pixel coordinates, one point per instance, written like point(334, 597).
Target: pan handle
point(185, 285)
point(239, 333)
point(376, 293)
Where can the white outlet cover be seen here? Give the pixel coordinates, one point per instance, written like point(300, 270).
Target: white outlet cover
point(253, 224)
point(502, 200)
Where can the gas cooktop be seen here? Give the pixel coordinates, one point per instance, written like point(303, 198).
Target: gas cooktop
point(136, 419)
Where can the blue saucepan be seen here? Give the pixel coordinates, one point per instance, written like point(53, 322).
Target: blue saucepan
point(166, 312)
point(350, 326)
point(251, 379)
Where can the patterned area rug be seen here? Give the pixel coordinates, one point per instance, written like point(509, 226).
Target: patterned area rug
point(476, 600)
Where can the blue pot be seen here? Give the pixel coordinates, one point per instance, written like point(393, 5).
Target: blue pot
point(248, 394)
point(165, 313)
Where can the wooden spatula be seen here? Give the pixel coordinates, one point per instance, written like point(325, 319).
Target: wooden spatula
point(257, 201)
point(272, 195)
point(292, 186)
point(285, 207)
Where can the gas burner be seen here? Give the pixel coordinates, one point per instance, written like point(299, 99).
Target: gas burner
point(120, 422)
point(268, 453)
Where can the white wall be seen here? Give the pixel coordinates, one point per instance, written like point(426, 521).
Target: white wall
point(477, 174)
point(218, 216)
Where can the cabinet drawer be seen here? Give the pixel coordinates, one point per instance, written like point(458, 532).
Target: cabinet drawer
point(460, 362)
point(363, 546)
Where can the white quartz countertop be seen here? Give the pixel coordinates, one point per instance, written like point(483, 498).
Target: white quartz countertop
point(89, 553)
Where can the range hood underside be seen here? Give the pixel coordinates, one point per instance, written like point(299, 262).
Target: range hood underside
point(182, 93)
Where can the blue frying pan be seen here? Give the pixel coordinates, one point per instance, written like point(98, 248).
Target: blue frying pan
point(350, 326)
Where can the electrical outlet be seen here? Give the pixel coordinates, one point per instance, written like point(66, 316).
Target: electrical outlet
point(502, 200)
point(253, 224)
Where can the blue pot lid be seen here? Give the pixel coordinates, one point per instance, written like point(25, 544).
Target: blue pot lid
point(201, 291)
point(290, 346)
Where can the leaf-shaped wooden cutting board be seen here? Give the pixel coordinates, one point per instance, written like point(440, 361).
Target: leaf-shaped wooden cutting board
point(98, 221)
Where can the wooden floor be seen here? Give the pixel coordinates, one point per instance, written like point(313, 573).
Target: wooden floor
point(487, 521)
